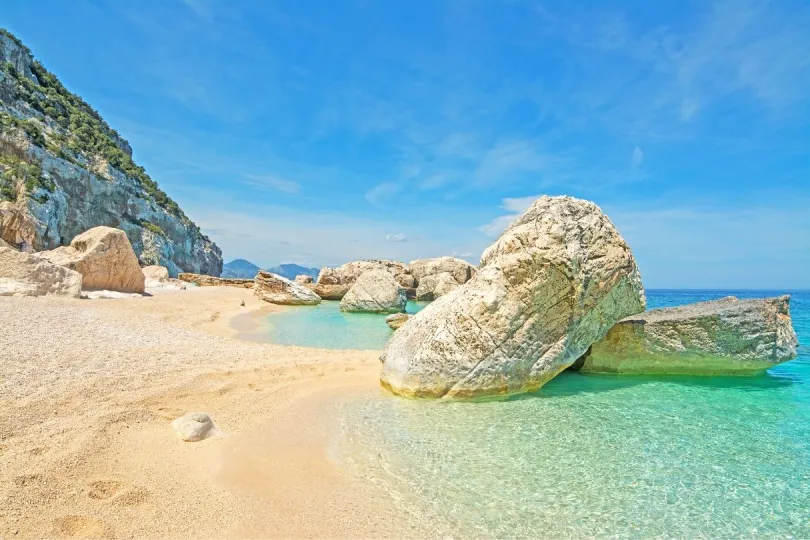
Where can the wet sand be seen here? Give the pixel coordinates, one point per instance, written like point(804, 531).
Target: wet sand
point(88, 389)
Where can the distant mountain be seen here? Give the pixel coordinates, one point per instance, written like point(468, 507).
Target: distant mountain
point(290, 271)
point(239, 268)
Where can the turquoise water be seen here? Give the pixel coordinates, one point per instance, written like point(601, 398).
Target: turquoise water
point(601, 455)
point(326, 327)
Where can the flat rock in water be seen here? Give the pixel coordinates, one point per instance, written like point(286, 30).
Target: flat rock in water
point(194, 427)
point(105, 259)
point(720, 337)
point(375, 291)
point(25, 274)
point(280, 290)
point(554, 283)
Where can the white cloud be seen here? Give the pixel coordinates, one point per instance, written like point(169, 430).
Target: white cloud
point(383, 193)
point(399, 237)
point(516, 207)
point(271, 183)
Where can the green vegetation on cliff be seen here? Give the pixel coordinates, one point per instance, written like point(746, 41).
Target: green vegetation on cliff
point(74, 128)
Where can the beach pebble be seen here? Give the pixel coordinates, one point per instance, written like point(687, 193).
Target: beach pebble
point(194, 427)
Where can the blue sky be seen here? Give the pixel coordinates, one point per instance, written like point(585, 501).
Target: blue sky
point(324, 131)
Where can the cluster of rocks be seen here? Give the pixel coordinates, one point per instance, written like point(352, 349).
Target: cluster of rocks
point(389, 283)
point(98, 263)
point(561, 288)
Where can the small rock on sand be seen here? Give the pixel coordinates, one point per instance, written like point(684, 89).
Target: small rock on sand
point(194, 427)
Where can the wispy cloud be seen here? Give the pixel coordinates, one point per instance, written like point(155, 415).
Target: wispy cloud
point(271, 183)
point(383, 193)
point(637, 159)
point(399, 237)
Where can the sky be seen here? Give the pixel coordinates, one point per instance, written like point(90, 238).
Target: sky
point(325, 131)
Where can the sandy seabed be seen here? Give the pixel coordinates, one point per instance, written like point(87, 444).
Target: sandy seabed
point(88, 389)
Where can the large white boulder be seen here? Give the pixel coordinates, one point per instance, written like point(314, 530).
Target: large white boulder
point(375, 291)
point(105, 259)
point(24, 274)
point(721, 337)
point(280, 290)
point(554, 283)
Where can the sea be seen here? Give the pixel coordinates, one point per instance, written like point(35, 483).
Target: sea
point(588, 454)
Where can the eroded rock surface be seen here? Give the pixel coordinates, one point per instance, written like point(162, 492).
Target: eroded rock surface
point(280, 290)
point(24, 274)
point(375, 291)
point(554, 283)
point(721, 337)
point(303, 279)
point(104, 258)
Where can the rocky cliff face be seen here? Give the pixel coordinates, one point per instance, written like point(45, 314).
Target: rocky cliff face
point(63, 170)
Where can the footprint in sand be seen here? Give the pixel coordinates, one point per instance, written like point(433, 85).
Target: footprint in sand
point(120, 493)
point(81, 526)
point(104, 489)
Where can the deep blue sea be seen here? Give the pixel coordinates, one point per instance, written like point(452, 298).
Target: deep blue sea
point(591, 455)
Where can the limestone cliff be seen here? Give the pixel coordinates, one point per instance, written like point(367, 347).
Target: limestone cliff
point(63, 170)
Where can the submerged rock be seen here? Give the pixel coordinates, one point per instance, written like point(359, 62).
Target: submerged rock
point(555, 282)
point(104, 258)
point(395, 320)
point(720, 337)
point(24, 274)
point(435, 286)
point(280, 290)
point(375, 291)
point(194, 427)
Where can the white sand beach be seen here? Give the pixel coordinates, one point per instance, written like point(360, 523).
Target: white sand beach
point(88, 392)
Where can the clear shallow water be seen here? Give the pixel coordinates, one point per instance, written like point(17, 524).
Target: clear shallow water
point(603, 455)
point(326, 327)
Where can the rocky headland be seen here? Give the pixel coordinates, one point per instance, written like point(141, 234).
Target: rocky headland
point(64, 170)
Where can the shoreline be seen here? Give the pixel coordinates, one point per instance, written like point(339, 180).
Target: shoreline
point(96, 382)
